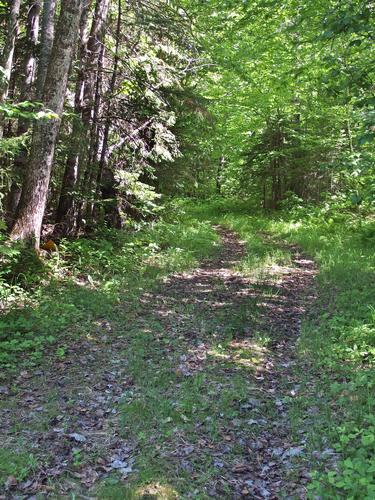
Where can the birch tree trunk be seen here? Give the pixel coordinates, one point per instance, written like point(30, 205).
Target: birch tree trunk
point(35, 187)
point(8, 53)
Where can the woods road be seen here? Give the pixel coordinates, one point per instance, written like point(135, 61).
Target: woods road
point(209, 325)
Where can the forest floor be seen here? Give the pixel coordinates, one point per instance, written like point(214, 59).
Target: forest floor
point(188, 395)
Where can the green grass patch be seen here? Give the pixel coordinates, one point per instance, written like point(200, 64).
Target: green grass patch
point(339, 339)
point(16, 464)
point(46, 304)
point(338, 335)
point(165, 409)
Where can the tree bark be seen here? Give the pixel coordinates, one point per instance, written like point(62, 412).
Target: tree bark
point(65, 212)
point(8, 53)
point(106, 181)
point(35, 187)
point(26, 94)
point(86, 106)
point(46, 43)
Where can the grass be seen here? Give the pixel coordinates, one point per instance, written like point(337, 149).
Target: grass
point(170, 410)
point(181, 423)
point(338, 336)
point(339, 339)
point(52, 302)
point(49, 305)
point(15, 463)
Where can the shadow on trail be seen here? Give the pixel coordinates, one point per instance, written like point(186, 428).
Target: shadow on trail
point(186, 397)
point(229, 342)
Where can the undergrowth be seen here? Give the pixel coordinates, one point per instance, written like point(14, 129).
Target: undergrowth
point(338, 335)
point(43, 307)
point(46, 300)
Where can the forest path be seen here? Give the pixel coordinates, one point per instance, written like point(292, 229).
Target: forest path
point(188, 395)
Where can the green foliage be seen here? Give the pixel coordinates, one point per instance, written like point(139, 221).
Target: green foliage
point(270, 101)
point(9, 147)
point(15, 463)
point(339, 339)
point(338, 334)
point(289, 99)
point(86, 278)
point(26, 110)
point(355, 475)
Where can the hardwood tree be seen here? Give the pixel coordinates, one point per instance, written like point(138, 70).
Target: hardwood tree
point(27, 93)
point(35, 189)
point(7, 54)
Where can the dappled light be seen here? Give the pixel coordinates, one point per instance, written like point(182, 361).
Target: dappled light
point(187, 234)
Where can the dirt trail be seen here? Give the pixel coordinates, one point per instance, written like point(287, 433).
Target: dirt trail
point(68, 414)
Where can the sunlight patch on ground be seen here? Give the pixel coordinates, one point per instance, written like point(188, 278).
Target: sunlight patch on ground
point(243, 353)
point(157, 491)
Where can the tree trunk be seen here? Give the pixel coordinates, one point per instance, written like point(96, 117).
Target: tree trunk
point(26, 94)
point(87, 104)
point(8, 53)
point(66, 209)
point(46, 43)
point(94, 142)
point(106, 181)
point(219, 174)
point(35, 188)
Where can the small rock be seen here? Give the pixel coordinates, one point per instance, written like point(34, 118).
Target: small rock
point(126, 470)
point(118, 464)
point(277, 452)
point(80, 438)
point(218, 464)
point(293, 452)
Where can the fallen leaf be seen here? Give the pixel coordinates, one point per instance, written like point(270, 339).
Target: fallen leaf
point(277, 452)
point(293, 452)
point(240, 468)
point(10, 483)
point(218, 464)
point(252, 422)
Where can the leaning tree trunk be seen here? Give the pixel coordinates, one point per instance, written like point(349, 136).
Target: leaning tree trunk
point(26, 94)
point(35, 187)
point(8, 53)
point(85, 105)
